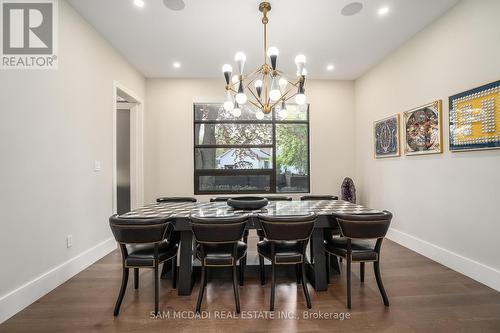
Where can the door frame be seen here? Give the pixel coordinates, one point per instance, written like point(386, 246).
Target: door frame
point(136, 147)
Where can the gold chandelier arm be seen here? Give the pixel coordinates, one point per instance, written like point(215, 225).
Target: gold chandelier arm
point(255, 104)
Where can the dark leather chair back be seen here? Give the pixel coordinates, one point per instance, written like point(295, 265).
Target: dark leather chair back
point(366, 226)
point(139, 230)
point(218, 230)
point(287, 228)
point(219, 199)
point(176, 199)
point(279, 198)
point(319, 197)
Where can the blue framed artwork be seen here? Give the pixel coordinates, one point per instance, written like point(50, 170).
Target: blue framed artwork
point(475, 118)
point(386, 137)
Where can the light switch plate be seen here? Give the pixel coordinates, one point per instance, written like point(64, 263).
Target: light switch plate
point(69, 241)
point(97, 165)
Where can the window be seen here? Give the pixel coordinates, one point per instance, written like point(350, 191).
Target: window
point(249, 155)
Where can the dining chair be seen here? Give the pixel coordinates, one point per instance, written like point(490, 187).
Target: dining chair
point(218, 244)
point(285, 243)
point(355, 247)
point(176, 199)
point(175, 235)
point(319, 197)
point(143, 244)
point(279, 198)
point(219, 199)
point(260, 234)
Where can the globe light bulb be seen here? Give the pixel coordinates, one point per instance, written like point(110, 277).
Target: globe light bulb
point(300, 99)
point(240, 58)
point(227, 68)
point(236, 111)
point(259, 115)
point(283, 113)
point(275, 93)
point(300, 61)
point(273, 51)
point(241, 98)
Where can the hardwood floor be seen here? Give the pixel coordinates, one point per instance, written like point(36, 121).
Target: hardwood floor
point(425, 297)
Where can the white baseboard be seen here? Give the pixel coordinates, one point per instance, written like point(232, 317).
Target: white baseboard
point(473, 269)
point(18, 299)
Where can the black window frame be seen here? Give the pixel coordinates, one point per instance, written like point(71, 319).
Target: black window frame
point(272, 172)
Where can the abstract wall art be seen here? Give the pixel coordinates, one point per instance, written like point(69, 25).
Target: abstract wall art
point(475, 118)
point(386, 137)
point(423, 130)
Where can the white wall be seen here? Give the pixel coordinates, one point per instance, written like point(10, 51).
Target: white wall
point(450, 200)
point(168, 132)
point(53, 125)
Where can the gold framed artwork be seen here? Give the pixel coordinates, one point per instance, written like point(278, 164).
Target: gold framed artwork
point(386, 137)
point(475, 118)
point(422, 129)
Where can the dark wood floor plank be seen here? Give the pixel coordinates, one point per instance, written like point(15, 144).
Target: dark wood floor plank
point(425, 297)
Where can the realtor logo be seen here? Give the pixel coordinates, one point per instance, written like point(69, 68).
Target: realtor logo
point(29, 34)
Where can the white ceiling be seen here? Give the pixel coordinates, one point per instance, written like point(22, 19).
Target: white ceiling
point(207, 33)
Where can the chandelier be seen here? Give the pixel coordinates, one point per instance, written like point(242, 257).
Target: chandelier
point(265, 88)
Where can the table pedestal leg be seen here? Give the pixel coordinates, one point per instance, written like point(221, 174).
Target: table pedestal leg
point(186, 264)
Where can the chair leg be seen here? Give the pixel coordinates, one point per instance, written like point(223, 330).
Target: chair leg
point(235, 288)
point(311, 253)
point(174, 272)
point(205, 279)
point(262, 270)
point(304, 286)
point(163, 273)
point(273, 285)
point(376, 268)
point(348, 282)
point(202, 288)
point(362, 271)
point(122, 291)
point(136, 278)
point(157, 289)
point(298, 273)
point(335, 263)
point(327, 262)
point(243, 263)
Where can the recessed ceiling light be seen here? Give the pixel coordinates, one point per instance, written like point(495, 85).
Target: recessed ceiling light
point(383, 11)
point(176, 64)
point(330, 67)
point(352, 9)
point(139, 3)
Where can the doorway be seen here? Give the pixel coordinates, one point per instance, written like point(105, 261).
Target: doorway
point(127, 151)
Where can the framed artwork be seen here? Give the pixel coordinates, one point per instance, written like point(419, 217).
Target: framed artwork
point(386, 137)
point(423, 129)
point(475, 118)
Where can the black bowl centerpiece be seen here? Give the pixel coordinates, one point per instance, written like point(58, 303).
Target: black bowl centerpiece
point(247, 203)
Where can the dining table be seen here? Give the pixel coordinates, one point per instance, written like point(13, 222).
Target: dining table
point(179, 213)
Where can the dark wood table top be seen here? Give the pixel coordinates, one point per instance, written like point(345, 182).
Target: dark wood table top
point(185, 209)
